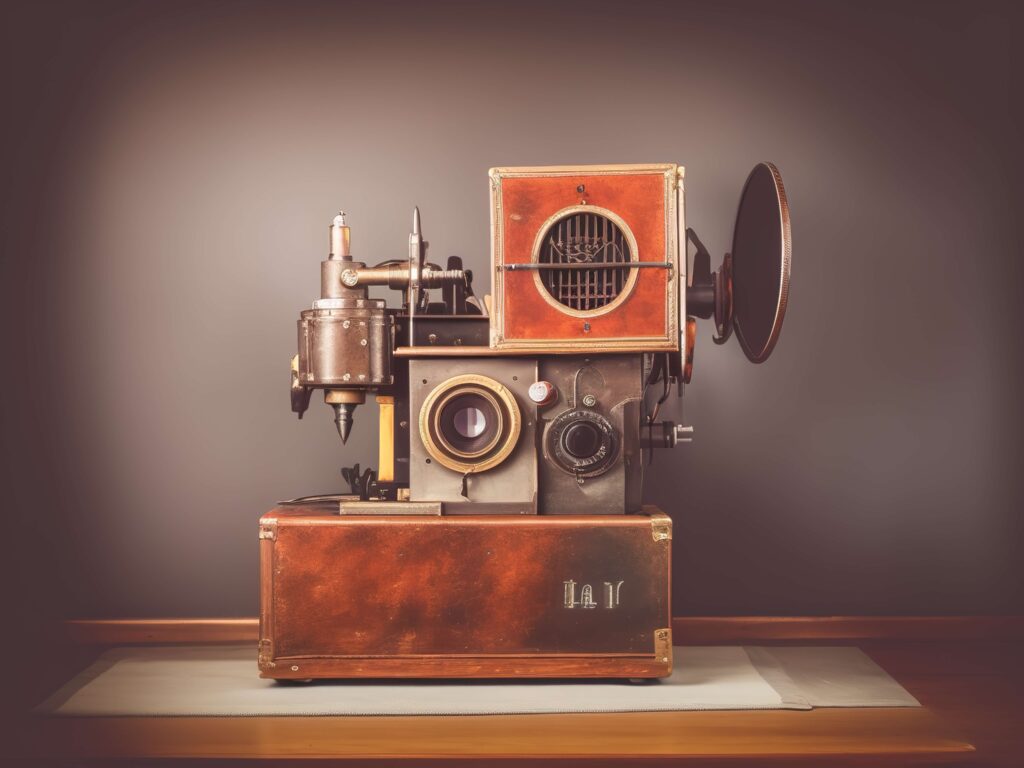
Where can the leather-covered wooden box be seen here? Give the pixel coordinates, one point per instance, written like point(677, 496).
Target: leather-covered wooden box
point(587, 258)
point(464, 596)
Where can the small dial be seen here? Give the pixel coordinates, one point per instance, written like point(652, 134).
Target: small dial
point(582, 442)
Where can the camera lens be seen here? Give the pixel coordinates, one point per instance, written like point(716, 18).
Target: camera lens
point(581, 439)
point(469, 422)
point(582, 442)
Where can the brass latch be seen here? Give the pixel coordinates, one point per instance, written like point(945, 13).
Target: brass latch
point(266, 655)
point(661, 527)
point(663, 646)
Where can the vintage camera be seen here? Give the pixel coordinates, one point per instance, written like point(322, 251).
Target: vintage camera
point(544, 397)
point(502, 533)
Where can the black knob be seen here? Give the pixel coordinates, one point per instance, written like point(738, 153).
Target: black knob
point(581, 439)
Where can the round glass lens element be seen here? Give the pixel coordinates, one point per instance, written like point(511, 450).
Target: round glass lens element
point(470, 422)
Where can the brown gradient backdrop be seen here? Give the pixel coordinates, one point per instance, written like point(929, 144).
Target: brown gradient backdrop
point(171, 168)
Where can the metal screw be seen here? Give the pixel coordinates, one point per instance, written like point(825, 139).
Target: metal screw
point(295, 667)
point(589, 400)
point(581, 188)
point(362, 342)
point(350, 277)
point(432, 338)
point(346, 324)
point(586, 327)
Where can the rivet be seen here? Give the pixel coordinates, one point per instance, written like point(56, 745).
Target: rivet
point(295, 667)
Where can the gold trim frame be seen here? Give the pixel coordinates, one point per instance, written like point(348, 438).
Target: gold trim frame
point(634, 257)
point(441, 393)
point(675, 236)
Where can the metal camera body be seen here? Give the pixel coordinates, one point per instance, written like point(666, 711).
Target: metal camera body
point(542, 398)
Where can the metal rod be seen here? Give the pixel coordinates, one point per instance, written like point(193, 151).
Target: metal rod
point(612, 266)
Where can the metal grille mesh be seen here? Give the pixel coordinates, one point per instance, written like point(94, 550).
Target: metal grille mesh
point(585, 251)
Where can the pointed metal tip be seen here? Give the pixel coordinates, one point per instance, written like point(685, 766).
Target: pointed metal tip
point(416, 220)
point(343, 420)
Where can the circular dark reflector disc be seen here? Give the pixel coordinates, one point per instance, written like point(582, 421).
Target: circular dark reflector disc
point(761, 253)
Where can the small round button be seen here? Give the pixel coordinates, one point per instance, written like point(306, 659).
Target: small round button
point(542, 392)
point(581, 439)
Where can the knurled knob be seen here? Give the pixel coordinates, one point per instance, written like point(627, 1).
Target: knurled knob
point(542, 392)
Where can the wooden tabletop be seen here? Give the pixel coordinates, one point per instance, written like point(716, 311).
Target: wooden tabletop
point(901, 735)
point(971, 692)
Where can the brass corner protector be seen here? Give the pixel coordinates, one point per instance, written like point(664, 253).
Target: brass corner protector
point(661, 527)
point(663, 646)
point(268, 530)
point(266, 655)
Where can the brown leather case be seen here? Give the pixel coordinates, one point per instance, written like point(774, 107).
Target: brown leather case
point(467, 596)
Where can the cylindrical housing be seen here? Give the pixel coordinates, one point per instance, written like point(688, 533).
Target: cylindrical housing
point(331, 284)
point(348, 345)
point(341, 247)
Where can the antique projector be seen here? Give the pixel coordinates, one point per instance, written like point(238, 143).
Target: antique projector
point(503, 531)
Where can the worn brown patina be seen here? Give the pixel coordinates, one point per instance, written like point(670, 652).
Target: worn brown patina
point(466, 596)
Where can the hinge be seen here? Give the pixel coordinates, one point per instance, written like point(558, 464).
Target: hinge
point(663, 646)
point(661, 527)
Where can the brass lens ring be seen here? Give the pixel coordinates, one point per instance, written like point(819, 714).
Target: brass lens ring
point(473, 453)
point(451, 401)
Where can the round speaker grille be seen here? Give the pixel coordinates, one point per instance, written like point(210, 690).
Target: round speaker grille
point(590, 257)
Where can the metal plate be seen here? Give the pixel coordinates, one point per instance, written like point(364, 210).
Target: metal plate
point(507, 488)
point(761, 253)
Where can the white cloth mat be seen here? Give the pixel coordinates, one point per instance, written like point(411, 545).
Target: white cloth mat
point(222, 681)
